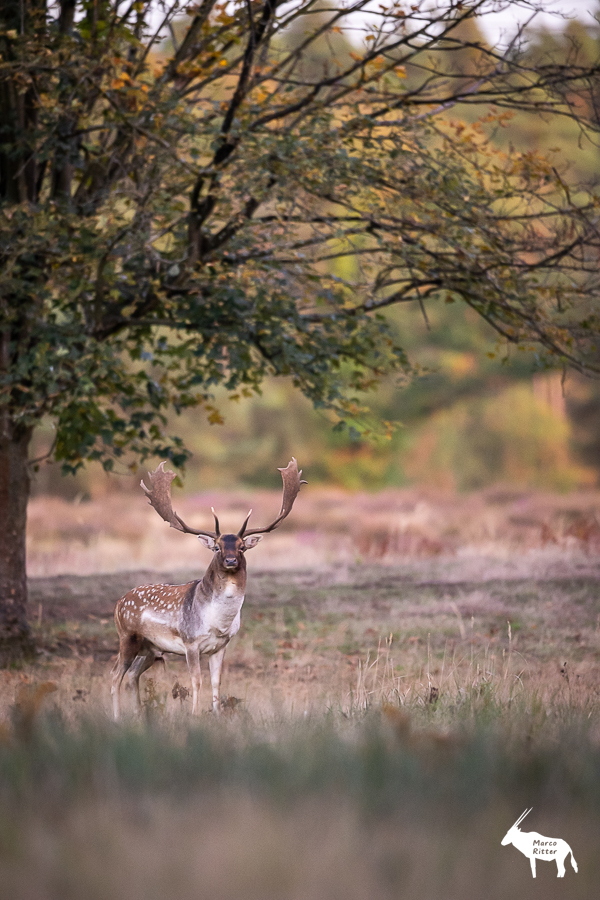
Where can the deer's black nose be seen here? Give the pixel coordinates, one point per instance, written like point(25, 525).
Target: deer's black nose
point(231, 561)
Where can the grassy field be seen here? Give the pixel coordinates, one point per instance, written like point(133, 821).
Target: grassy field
point(382, 730)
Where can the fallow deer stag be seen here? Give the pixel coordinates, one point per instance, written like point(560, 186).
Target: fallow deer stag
point(194, 618)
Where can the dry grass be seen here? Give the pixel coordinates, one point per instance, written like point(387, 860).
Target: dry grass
point(328, 527)
point(409, 801)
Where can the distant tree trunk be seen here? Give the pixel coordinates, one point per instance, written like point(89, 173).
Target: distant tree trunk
point(16, 641)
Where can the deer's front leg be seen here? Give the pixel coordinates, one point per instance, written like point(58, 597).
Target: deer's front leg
point(192, 656)
point(532, 861)
point(215, 663)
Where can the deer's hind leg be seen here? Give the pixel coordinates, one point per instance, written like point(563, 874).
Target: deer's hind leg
point(129, 647)
point(146, 657)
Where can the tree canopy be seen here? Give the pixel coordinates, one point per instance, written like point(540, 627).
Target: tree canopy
point(199, 199)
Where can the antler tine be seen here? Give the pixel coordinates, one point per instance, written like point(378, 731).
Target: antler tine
point(243, 528)
point(292, 479)
point(217, 528)
point(159, 497)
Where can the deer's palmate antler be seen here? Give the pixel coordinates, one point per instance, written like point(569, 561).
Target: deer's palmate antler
point(159, 497)
point(198, 617)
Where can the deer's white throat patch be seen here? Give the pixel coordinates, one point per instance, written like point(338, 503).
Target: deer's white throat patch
point(221, 616)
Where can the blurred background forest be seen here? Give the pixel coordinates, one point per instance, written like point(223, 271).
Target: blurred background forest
point(472, 418)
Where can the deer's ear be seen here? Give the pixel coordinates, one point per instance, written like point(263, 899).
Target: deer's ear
point(207, 541)
point(252, 541)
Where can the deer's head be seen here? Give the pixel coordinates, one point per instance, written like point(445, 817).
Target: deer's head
point(229, 549)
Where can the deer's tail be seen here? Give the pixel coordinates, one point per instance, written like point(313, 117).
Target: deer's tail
point(573, 863)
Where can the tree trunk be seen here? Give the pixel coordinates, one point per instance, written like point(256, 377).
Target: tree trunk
point(16, 641)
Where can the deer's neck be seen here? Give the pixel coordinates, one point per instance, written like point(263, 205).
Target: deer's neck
point(221, 583)
point(213, 610)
